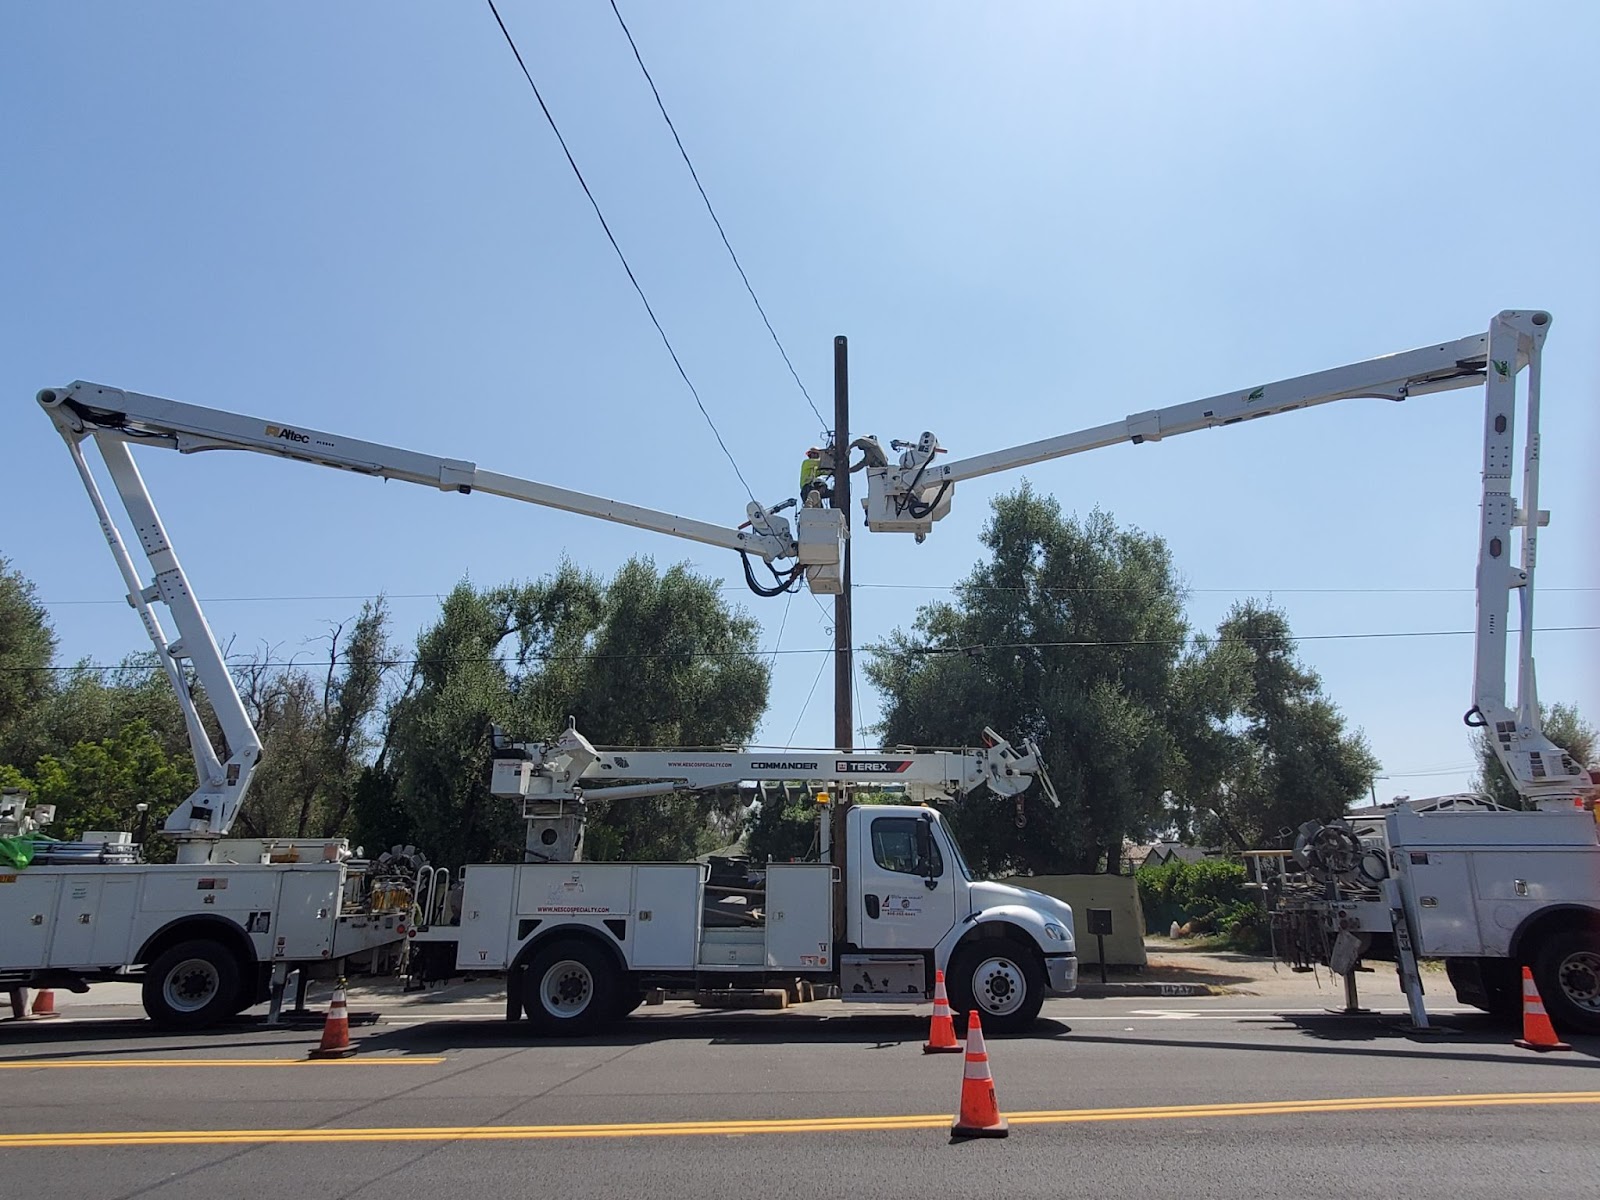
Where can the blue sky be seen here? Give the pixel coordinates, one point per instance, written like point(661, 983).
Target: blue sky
point(1026, 218)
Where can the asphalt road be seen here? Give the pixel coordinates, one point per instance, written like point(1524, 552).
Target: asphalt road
point(1212, 1096)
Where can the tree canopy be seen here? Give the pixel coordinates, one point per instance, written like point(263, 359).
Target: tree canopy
point(644, 659)
point(1072, 631)
point(27, 652)
point(1277, 754)
point(362, 742)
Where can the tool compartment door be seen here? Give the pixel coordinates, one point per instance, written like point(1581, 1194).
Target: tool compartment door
point(27, 916)
point(800, 916)
point(1440, 906)
point(308, 908)
point(94, 921)
point(666, 915)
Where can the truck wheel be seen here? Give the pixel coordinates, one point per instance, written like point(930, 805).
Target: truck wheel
point(1002, 980)
point(571, 988)
point(1566, 968)
point(192, 984)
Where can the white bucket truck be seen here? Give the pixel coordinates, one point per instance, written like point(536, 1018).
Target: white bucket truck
point(890, 901)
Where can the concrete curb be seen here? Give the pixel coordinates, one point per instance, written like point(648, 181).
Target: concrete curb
point(1103, 991)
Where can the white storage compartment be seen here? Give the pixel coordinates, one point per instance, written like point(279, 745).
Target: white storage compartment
point(666, 915)
point(733, 947)
point(575, 889)
point(882, 979)
point(27, 906)
point(95, 921)
point(488, 930)
point(799, 916)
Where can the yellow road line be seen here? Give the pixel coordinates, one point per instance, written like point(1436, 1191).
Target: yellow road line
point(1069, 1116)
point(67, 1064)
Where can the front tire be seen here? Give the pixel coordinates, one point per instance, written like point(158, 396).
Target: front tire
point(571, 988)
point(1002, 980)
point(192, 985)
point(1566, 968)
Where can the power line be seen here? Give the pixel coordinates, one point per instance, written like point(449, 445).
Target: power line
point(816, 679)
point(695, 175)
point(980, 648)
point(1071, 590)
point(782, 625)
point(972, 649)
point(623, 258)
point(929, 587)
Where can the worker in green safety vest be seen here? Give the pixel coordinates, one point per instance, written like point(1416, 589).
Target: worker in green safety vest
point(812, 476)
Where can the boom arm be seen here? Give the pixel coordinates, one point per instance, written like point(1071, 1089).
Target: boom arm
point(915, 493)
point(114, 419)
point(554, 779)
point(89, 409)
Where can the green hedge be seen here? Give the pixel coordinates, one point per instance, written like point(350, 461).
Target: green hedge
point(1209, 895)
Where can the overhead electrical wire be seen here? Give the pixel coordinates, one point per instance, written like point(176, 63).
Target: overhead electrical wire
point(715, 220)
point(928, 587)
point(973, 649)
point(821, 667)
point(623, 258)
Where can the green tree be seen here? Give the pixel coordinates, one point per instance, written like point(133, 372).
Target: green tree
point(668, 663)
point(27, 652)
point(781, 825)
point(1072, 633)
point(90, 703)
point(1212, 685)
point(11, 778)
point(1563, 725)
point(646, 658)
point(1293, 759)
point(439, 730)
point(99, 784)
point(317, 730)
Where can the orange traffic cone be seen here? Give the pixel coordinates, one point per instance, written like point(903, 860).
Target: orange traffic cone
point(1537, 1032)
point(942, 1033)
point(980, 1114)
point(44, 1004)
point(336, 1029)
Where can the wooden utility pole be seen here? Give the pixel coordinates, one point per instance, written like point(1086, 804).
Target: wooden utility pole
point(843, 663)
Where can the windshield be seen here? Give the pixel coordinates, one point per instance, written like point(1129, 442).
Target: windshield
point(955, 852)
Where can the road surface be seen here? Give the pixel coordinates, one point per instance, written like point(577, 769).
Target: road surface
point(1217, 1096)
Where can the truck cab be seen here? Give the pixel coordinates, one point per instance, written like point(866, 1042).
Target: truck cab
point(909, 889)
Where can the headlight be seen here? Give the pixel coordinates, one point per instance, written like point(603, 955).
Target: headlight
point(1054, 932)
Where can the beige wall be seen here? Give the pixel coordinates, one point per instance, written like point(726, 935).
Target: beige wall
point(1125, 946)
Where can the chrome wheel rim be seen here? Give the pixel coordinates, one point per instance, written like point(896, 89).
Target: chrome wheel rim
point(1579, 976)
point(999, 987)
point(566, 988)
point(191, 985)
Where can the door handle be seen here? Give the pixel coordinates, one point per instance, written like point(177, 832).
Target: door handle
point(872, 906)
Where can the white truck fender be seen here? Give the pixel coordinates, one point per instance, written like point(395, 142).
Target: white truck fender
point(1029, 920)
